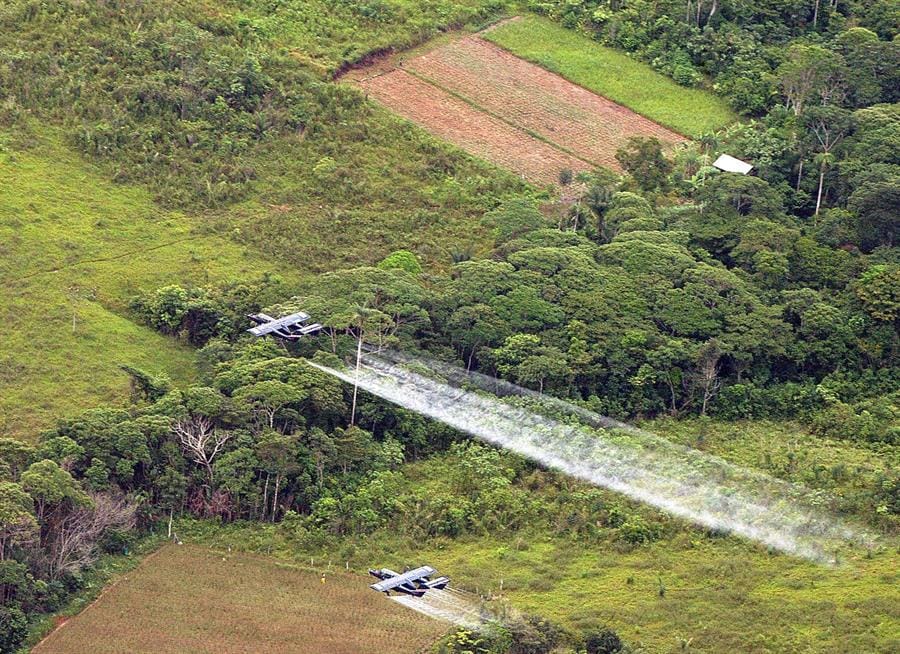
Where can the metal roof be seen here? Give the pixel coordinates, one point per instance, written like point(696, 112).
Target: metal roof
point(731, 165)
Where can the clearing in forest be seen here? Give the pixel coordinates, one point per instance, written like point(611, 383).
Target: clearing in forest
point(506, 110)
point(534, 99)
point(240, 603)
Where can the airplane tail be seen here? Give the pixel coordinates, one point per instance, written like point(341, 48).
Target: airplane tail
point(438, 584)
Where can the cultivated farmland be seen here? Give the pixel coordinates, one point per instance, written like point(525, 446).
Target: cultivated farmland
point(535, 99)
point(507, 110)
point(478, 132)
point(191, 599)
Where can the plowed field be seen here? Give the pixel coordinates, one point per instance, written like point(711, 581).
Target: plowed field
point(475, 131)
point(535, 99)
point(191, 599)
point(508, 111)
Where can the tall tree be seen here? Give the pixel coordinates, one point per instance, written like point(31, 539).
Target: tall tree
point(828, 125)
point(811, 72)
point(202, 442)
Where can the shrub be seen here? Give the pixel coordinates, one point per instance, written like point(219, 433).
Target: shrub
point(605, 641)
point(13, 628)
point(401, 260)
point(636, 530)
point(533, 635)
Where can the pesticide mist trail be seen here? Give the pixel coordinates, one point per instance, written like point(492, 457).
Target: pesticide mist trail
point(450, 605)
point(695, 486)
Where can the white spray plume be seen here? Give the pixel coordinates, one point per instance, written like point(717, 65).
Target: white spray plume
point(449, 605)
point(704, 489)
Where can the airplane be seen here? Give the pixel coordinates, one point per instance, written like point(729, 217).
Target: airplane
point(290, 327)
point(415, 582)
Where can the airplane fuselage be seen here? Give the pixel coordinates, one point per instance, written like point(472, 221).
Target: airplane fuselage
point(415, 582)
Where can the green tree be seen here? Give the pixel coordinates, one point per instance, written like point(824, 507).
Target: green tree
point(525, 360)
point(876, 202)
point(401, 260)
point(14, 457)
point(279, 456)
point(18, 524)
point(878, 288)
point(644, 160)
point(811, 72)
point(829, 126)
point(50, 487)
point(13, 628)
point(267, 398)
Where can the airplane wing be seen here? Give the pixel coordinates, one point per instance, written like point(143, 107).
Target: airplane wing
point(406, 577)
point(275, 325)
point(260, 318)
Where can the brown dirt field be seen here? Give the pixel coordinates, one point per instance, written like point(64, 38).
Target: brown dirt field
point(535, 99)
point(188, 599)
point(475, 131)
point(506, 110)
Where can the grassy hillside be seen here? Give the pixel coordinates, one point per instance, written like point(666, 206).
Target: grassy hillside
point(613, 74)
point(238, 603)
point(76, 247)
point(346, 184)
point(326, 35)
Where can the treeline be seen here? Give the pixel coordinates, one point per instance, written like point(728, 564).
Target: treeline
point(725, 306)
point(628, 307)
point(264, 437)
point(745, 49)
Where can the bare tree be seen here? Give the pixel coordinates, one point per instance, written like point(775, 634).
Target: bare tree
point(706, 376)
point(76, 536)
point(201, 442)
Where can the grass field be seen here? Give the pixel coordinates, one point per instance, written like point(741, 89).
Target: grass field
point(75, 248)
point(720, 594)
point(239, 603)
point(614, 75)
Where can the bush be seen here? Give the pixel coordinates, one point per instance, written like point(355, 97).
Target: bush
point(636, 530)
point(875, 420)
point(13, 628)
point(533, 635)
point(401, 260)
point(605, 641)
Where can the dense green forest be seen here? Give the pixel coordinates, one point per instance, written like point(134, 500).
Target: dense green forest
point(700, 301)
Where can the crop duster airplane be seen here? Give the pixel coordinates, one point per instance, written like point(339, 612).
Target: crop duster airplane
point(290, 328)
point(415, 582)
